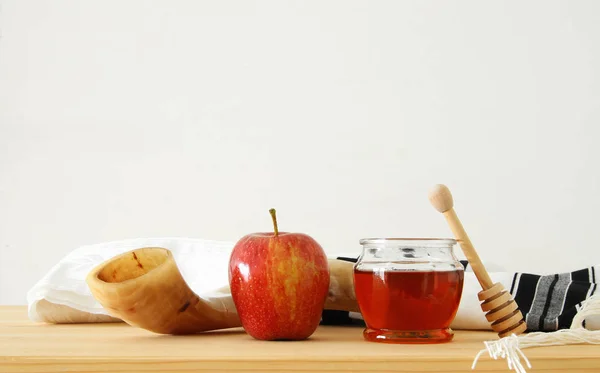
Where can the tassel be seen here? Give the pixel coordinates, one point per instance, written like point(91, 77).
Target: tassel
point(509, 348)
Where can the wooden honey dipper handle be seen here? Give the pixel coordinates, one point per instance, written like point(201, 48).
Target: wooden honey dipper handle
point(441, 198)
point(500, 309)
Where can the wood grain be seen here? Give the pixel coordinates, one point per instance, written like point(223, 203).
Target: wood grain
point(118, 347)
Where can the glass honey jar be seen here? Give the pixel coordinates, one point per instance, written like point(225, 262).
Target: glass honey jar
point(408, 289)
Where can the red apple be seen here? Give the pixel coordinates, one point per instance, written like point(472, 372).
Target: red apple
point(279, 282)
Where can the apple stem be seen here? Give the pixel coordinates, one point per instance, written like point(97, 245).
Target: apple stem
point(272, 211)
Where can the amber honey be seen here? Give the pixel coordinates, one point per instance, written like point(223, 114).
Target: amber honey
point(408, 306)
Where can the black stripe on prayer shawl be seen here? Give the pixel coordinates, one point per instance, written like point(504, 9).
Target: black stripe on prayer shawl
point(335, 317)
point(582, 275)
point(566, 318)
point(576, 294)
point(514, 282)
point(353, 260)
point(592, 281)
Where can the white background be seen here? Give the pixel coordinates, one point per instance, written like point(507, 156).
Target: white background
point(125, 119)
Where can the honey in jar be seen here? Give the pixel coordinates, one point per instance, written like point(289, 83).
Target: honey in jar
point(408, 290)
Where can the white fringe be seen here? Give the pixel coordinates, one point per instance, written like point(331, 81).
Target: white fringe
point(506, 348)
point(509, 348)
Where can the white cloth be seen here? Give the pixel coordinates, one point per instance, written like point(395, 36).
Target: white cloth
point(64, 284)
point(62, 294)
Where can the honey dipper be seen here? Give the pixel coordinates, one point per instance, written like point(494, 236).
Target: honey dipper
point(501, 310)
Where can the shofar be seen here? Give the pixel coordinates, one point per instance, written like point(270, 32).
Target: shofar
point(145, 288)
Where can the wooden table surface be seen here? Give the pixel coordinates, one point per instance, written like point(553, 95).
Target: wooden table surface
point(30, 347)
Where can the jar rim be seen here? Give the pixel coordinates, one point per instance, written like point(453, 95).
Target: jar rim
point(416, 240)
